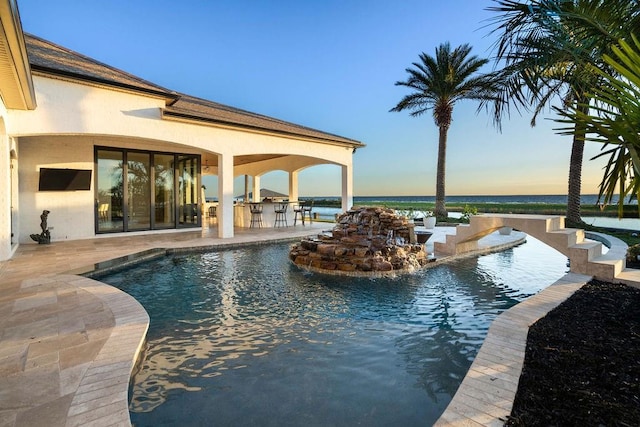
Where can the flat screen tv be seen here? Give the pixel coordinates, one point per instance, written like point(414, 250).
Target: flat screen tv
point(64, 179)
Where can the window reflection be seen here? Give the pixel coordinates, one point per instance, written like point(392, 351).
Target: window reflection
point(189, 190)
point(139, 191)
point(109, 200)
point(164, 191)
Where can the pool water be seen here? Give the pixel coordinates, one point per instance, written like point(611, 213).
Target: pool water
point(242, 337)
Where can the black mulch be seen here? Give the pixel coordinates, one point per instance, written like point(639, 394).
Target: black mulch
point(582, 363)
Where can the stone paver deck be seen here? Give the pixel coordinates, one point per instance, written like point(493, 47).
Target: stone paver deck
point(68, 344)
point(68, 347)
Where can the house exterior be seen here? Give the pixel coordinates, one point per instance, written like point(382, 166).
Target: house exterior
point(109, 153)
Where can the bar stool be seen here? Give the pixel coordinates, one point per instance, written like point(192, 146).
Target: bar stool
point(256, 214)
point(306, 210)
point(298, 209)
point(281, 214)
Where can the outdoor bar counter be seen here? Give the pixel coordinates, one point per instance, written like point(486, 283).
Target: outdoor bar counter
point(242, 214)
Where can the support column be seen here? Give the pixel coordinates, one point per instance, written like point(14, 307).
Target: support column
point(225, 196)
point(5, 195)
point(246, 188)
point(347, 187)
point(256, 189)
point(293, 186)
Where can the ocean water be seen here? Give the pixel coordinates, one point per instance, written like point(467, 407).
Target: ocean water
point(585, 199)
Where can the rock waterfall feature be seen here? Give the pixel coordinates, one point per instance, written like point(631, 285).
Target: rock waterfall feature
point(365, 241)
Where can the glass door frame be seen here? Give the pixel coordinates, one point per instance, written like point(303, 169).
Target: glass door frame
point(188, 203)
point(179, 159)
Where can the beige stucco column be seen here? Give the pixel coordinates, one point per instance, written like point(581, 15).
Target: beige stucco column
point(256, 189)
point(225, 195)
point(293, 186)
point(347, 187)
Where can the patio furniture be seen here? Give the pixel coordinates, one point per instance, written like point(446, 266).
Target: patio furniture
point(306, 211)
point(256, 215)
point(103, 211)
point(281, 214)
point(212, 211)
point(423, 236)
point(298, 209)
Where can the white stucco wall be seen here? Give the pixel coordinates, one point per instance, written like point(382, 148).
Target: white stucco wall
point(70, 108)
point(71, 214)
point(5, 190)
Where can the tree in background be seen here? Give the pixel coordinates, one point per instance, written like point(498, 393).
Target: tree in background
point(437, 83)
point(615, 122)
point(551, 50)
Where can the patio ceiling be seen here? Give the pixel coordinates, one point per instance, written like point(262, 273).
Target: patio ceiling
point(212, 159)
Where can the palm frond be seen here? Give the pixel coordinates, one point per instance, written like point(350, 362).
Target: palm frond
point(438, 82)
point(614, 121)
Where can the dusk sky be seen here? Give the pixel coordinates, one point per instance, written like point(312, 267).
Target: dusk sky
point(329, 65)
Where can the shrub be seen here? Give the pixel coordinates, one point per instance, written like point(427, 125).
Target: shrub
point(468, 212)
point(633, 252)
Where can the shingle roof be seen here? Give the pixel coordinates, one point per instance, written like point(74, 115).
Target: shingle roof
point(47, 57)
point(191, 107)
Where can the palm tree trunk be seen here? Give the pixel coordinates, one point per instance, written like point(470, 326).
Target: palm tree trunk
point(441, 210)
point(575, 173)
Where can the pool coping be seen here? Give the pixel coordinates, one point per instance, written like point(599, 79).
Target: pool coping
point(485, 396)
point(114, 363)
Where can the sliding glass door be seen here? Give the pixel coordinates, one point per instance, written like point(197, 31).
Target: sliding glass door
point(140, 190)
point(110, 189)
point(189, 191)
point(164, 178)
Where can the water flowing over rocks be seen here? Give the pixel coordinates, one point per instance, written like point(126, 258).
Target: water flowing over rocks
point(364, 241)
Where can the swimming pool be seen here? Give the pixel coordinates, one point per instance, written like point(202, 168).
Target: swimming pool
point(242, 337)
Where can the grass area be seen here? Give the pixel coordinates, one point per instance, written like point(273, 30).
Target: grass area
point(630, 238)
point(630, 211)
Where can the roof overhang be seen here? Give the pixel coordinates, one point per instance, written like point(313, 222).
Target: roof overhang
point(16, 84)
point(203, 121)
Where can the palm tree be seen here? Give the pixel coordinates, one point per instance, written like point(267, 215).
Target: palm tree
point(615, 122)
point(551, 50)
point(437, 84)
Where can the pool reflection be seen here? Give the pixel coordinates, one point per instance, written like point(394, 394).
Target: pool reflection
point(242, 337)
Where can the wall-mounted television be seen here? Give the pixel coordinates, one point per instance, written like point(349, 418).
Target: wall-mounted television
point(64, 179)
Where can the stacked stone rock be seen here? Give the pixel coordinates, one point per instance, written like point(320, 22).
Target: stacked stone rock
point(366, 239)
